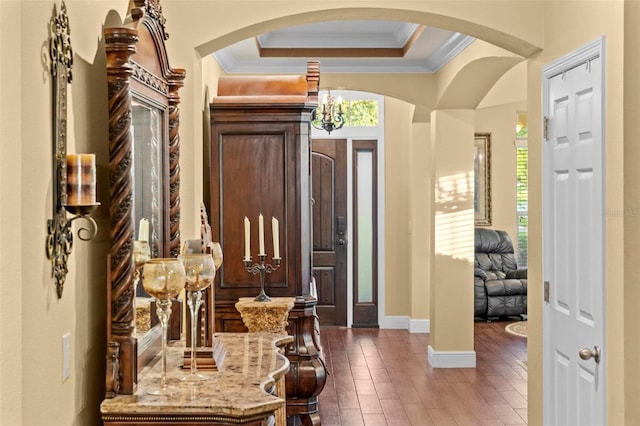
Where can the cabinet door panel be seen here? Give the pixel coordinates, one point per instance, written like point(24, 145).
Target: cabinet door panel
point(252, 182)
point(256, 169)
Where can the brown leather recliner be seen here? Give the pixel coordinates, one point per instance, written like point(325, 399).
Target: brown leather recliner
point(500, 288)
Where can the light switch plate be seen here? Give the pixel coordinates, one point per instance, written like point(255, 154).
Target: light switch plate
point(66, 356)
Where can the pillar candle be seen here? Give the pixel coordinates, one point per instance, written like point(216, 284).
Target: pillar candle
point(261, 235)
point(74, 179)
point(247, 234)
point(81, 179)
point(276, 238)
point(143, 230)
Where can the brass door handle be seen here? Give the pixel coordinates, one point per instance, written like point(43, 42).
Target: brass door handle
point(586, 354)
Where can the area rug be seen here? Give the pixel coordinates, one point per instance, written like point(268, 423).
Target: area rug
point(517, 328)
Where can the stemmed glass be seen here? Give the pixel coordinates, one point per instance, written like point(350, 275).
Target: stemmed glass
point(163, 278)
point(199, 274)
point(216, 253)
point(141, 254)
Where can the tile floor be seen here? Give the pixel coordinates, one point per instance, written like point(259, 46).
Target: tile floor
point(381, 377)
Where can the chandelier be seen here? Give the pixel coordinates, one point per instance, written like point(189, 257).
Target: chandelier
point(332, 117)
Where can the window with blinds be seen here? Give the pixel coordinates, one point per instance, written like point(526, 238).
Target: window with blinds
point(522, 204)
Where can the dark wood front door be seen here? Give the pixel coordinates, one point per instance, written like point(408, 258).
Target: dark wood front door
point(329, 192)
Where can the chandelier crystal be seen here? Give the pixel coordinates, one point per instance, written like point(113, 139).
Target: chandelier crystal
point(331, 114)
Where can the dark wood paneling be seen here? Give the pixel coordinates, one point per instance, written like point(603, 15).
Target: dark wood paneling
point(227, 319)
point(325, 281)
point(256, 169)
point(329, 177)
point(259, 162)
point(253, 181)
point(324, 207)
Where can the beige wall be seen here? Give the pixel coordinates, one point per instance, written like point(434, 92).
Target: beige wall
point(511, 25)
point(397, 207)
point(32, 320)
point(512, 87)
point(500, 121)
point(466, 79)
point(416, 89)
point(422, 172)
point(10, 214)
point(496, 115)
point(451, 300)
point(590, 20)
point(631, 217)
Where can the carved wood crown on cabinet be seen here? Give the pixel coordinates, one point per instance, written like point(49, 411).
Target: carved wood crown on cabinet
point(137, 61)
point(259, 162)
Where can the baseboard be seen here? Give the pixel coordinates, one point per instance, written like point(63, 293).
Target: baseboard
point(419, 326)
point(395, 323)
point(452, 359)
point(406, 323)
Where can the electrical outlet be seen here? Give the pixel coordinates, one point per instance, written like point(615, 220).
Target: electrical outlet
point(66, 356)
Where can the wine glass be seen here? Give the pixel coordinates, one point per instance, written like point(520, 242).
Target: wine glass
point(216, 253)
point(163, 278)
point(199, 274)
point(141, 254)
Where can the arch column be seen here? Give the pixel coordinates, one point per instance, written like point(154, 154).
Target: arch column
point(451, 340)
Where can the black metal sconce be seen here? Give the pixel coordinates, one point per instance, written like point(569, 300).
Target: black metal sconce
point(82, 177)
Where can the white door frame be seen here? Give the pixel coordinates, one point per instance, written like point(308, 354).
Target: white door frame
point(580, 57)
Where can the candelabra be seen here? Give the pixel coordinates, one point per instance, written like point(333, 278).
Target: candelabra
point(262, 268)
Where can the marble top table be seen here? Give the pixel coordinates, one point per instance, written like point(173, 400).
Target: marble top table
point(242, 391)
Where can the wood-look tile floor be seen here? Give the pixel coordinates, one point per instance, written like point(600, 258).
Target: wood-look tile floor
point(382, 377)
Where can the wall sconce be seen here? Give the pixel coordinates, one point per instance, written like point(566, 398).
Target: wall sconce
point(74, 176)
point(332, 117)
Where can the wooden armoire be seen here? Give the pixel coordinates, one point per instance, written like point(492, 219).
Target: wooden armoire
point(258, 162)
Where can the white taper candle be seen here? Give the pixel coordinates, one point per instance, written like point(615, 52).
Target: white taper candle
point(276, 238)
point(261, 235)
point(247, 240)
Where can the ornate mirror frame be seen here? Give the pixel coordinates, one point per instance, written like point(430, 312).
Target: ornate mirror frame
point(137, 69)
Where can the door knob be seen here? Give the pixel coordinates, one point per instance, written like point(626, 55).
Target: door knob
point(341, 242)
point(586, 354)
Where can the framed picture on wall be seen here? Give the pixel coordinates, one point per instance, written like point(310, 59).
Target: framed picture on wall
point(482, 181)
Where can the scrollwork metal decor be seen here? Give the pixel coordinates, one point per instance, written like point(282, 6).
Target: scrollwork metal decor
point(60, 236)
point(261, 268)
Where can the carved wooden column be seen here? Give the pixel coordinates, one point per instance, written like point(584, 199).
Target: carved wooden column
point(176, 81)
point(120, 45)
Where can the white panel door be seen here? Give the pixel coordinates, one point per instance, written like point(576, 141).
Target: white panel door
point(573, 239)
